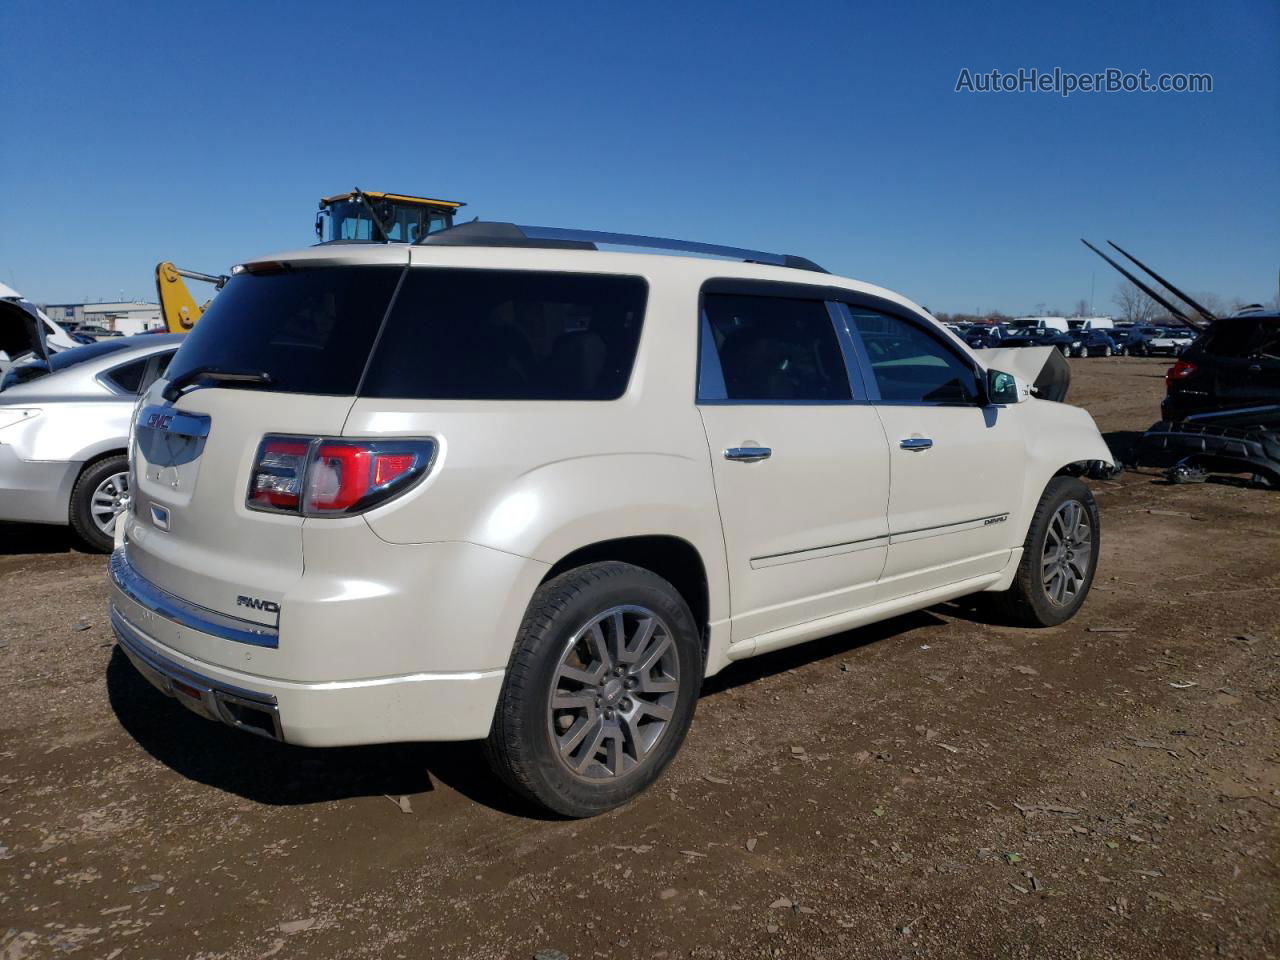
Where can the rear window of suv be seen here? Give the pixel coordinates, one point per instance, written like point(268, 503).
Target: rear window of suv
point(451, 334)
point(1244, 337)
point(309, 330)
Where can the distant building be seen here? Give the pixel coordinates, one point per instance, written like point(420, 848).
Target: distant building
point(128, 317)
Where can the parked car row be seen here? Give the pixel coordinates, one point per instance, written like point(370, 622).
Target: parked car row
point(1083, 341)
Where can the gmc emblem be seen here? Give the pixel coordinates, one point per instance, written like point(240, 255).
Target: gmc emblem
point(160, 421)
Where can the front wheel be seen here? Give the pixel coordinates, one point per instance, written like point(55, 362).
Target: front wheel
point(1106, 351)
point(600, 691)
point(1059, 557)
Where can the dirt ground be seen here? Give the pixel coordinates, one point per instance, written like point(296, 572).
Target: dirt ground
point(933, 786)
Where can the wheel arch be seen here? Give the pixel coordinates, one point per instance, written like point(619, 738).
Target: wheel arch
point(673, 558)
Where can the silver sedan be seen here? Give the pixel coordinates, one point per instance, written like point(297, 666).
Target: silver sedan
point(64, 433)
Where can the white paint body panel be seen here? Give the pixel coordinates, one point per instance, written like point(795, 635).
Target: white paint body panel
point(434, 584)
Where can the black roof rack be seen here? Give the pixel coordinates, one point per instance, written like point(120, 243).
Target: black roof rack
point(479, 233)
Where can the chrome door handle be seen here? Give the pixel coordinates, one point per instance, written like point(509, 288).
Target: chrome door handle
point(915, 443)
point(748, 454)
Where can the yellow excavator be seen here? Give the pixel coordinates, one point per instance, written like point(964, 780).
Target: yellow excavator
point(355, 217)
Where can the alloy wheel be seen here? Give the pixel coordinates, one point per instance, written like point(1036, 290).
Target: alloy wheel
point(109, 500)
point(1068, 552)
point(613, 693)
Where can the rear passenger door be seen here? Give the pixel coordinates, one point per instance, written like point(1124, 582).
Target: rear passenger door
point(956, 464)
point(800, 460)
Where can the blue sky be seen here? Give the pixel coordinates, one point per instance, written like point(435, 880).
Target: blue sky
point(205, 133)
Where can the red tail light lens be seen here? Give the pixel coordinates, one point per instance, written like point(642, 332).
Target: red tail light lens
point(323, 476)
point(1179, 371)
point(278, 473)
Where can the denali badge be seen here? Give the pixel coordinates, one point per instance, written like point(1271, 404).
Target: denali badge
point(256, 604)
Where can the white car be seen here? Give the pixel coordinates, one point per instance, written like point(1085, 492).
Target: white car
point(64, 433)
point(1170, 341)
point(503, 485)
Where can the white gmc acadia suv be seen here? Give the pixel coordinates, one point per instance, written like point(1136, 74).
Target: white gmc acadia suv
point(502, 485)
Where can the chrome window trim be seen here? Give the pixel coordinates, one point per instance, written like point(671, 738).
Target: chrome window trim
point(184, 613)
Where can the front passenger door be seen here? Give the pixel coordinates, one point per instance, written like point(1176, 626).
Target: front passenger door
point(955, 464)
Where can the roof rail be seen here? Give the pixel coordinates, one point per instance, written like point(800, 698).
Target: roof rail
point(480, 233)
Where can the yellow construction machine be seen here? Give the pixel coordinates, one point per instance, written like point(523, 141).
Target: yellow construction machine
point(177, 305)
point(355, 217)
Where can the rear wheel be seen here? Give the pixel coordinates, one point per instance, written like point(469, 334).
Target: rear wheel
point(98, 498)
point(1106, 351)
point(1059, 557)
point(600, 691)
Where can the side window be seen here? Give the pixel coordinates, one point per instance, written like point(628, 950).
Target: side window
point(910, 365)
point(127, 378)
point(471, 334)
point(136, 376)
point(770, 349)
point(156, 367)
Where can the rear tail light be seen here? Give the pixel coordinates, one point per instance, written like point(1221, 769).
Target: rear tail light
point(1179, 371)
point(331, 476)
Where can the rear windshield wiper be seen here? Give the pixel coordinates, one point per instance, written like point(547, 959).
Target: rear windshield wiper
point(175, 387)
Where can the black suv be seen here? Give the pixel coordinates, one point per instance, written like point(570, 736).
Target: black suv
point(1234, 364)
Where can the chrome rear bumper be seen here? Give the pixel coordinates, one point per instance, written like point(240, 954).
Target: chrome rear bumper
point(235, 706)
point(177, 610)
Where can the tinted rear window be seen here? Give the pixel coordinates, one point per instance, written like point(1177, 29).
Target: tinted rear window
point(453, 334)
point(311, 330)
point(509, 335)
point(1238, 337)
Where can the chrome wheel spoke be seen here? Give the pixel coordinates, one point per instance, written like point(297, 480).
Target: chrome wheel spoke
point(651, 684)
point(1067, 553)
point(614, 692)
point(585, 677)
point(108, 501)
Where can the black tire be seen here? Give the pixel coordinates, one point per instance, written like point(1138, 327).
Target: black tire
point(520, 747)
point(80, 510)
point(1106, 351)
point(1027, 602)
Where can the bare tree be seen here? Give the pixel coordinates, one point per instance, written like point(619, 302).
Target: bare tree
point(1135, 306)
point(1082, 308)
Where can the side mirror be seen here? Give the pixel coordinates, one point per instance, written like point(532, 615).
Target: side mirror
point(1004, 388)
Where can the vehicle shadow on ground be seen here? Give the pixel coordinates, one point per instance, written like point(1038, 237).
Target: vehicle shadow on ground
point(281, 775)
point(35, 538)
point(277, 774)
